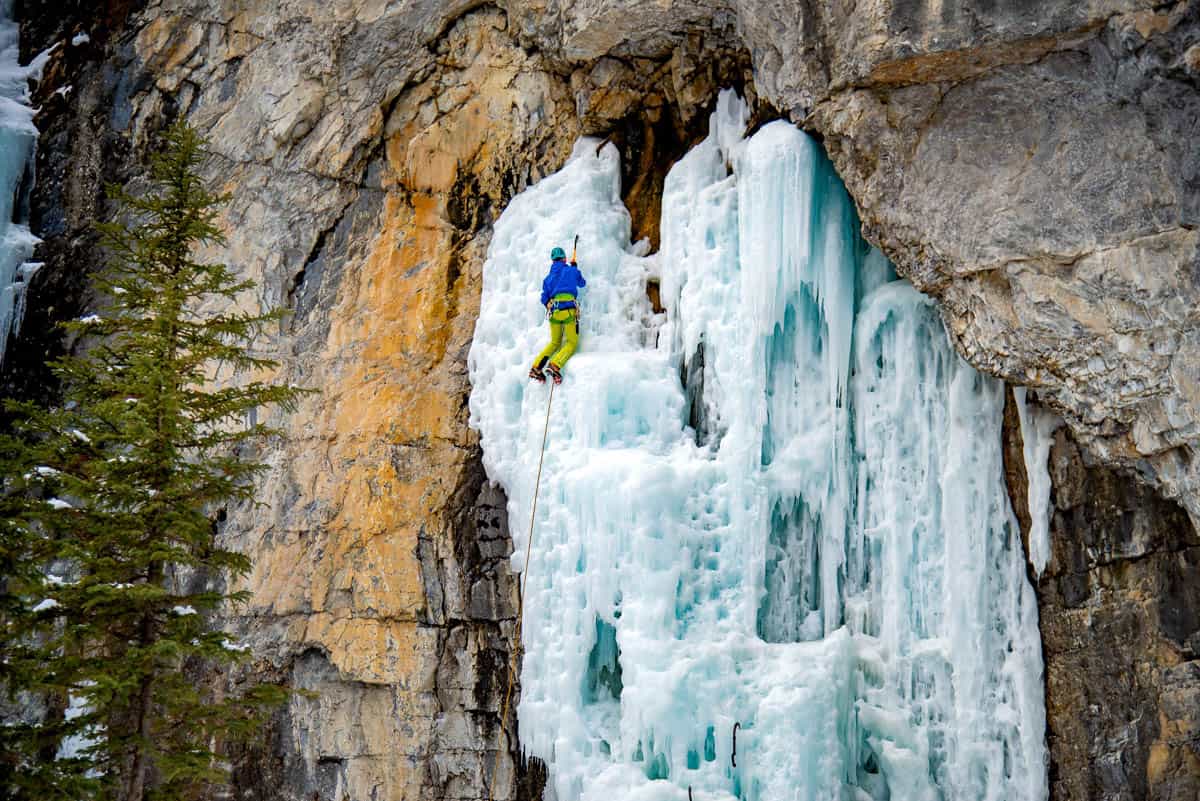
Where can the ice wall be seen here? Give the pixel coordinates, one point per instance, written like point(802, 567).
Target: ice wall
point(17, 139)
point(831, 563)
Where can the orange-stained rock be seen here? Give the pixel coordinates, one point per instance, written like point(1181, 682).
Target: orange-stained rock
point(372, 583)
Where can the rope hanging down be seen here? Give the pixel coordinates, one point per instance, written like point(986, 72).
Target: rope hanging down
point(516, 650)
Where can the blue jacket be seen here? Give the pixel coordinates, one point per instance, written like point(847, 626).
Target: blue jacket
point(563, 279)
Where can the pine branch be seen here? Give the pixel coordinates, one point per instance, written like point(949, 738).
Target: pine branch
point(112, 489)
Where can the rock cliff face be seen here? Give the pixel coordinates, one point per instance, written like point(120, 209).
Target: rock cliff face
point(1120, 604)
point(1028, 164)
point(1068, 261)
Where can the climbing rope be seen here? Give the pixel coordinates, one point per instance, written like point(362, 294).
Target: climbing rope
point(516, 650)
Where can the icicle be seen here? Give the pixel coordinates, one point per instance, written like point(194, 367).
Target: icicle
point(1037, 435)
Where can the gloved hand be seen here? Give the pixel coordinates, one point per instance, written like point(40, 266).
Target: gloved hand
point(574, 263)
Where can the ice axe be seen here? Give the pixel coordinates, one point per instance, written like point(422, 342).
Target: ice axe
point(578, 307)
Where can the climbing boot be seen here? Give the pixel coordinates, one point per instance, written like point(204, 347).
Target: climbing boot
point(554, 372)
point(536, 375)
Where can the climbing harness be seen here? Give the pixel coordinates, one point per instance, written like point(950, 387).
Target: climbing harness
point(516, 651)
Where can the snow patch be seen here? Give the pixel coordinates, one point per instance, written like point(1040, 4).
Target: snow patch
point(76, 744)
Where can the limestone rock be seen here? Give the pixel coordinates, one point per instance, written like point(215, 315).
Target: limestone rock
point(1057, 234)
point(361, 214)
point(1121, 633)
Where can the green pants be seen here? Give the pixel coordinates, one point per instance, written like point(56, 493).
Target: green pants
point(564, 338)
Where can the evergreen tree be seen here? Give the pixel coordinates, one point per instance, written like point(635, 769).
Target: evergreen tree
point(107, 503)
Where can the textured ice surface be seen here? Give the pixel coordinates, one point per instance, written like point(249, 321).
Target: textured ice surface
point(17, 138)
point(830, 563)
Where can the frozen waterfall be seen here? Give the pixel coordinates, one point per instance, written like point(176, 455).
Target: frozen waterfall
point(17, 139)
point(778, 505)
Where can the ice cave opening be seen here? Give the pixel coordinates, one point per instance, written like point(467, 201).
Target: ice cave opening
point(832, 564)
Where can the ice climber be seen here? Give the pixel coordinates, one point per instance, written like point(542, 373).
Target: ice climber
point(560, 292)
